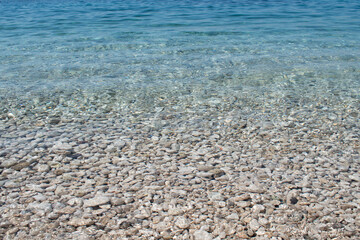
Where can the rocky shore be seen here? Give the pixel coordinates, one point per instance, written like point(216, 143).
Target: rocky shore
point(226, 168)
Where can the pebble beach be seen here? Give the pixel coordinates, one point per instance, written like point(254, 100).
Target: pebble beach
point(191, 120)
point(220, 168)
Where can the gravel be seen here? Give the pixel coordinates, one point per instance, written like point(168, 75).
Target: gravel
point(255, 168)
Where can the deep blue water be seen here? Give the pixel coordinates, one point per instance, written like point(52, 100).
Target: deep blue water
point(47, 45)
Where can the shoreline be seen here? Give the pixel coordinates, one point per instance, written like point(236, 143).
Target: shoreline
point(183, 172)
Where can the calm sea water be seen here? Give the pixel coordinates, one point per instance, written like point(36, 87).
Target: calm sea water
point(239, 45)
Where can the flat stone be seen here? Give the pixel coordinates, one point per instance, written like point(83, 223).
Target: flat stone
point(205, 168)
point(66, 210)
point(117, 201)
point(182, 222)
point(62, 148)
point(217, 172)
point(75, 202)
point(242, 235)
point(54, 121)
point(178, 192)
point(243, 204)
point(216, 196)
point(9, 163)
point(255, 189)
point(20, 166)
point(355, 177)
point(77, 222)
point(254, 225)
point(96, 201)
point(119, 144)
point(39, 197)
point(43, 168)
point(242, 197)
point(202, 235)
point(204, 174)
point(258, 209)
point(44, 206)
point(175, 211)
point(11, 184)
point(233, 216)
point(186, 170)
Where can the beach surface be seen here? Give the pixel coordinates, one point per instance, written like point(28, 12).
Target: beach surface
point(179, 119)
point(227, 168)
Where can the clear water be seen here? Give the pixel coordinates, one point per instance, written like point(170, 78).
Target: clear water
point(293, 50)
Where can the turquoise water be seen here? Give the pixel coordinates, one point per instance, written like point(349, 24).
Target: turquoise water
point(288, 49)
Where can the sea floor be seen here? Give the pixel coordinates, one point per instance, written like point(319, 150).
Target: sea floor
point(186, 162)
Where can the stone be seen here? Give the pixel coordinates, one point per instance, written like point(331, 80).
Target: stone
point(182, 222)
point(233, 216)
point(20, 166)
point(174, 211)
point(292, 197)
point(39, 197)
point(75, 202)
point(255, 189)
point(242, 235)
point(202, 235)
point(62, 148)
point(258, 209)
point(45, 207)
point(54, 121)
point(96, 201)
point(9, 163)
point(43, 168)
point(120, 144)
point(78, 222)
point(204, 174)
point(178, 193)
point(243, 204)
point(242, 197)
point(115, 201)
point(216, 196)
point(59, 171)
point(254, 225)
point(11, 184)
point(166, 235)
point(205, 168)
point(355, 177)
point(217, 172)
point(66, 210)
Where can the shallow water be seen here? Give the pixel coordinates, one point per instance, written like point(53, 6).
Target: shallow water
point(115, 54)
point(242, 113)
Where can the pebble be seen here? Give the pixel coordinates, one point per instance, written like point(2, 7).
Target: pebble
point(75, 202)
point(202, 235)
point(355, 177)
point(243, 204)
point(9, 163)
point(20, 166)
point(117, 201)
point(11, 184)
point(40, 207)
point(233, 216)
point(96, 201)
point(43, 168)
point(182, 222)
point(183, 172)
point(216, 196)
point(258, 209)
point(78, 222)
point(254, 225)
point(205, 168)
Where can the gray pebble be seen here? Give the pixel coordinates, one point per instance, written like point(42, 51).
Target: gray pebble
point(96, 201)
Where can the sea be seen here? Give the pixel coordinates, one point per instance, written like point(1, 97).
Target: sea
point(147, 54)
